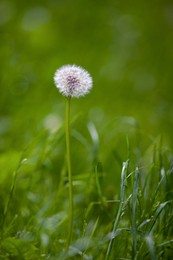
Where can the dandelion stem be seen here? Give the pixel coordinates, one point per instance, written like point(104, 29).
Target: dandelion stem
point(69, 172)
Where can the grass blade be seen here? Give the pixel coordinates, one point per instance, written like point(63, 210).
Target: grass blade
point(91, 236)
point(122, 195)
point(158, 211)
point(151, 247)
point(134, 200)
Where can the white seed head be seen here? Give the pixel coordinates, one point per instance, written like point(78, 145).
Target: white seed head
point(73, 81)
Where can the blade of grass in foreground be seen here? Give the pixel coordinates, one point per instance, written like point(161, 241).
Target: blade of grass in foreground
point(134, 200)
point(117, 218)
point(11, 193)
point(150, 243)
point(148, 238)
point(157, 213)
point(91, 236)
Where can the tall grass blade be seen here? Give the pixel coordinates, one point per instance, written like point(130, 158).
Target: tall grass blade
point(151, 247)
point(98, 184)
point(91, 236)
point(10, 194)
point(117, 218)
point(134, 201)
point(158, 211)
point(163, 177)
point(6, 209)
point(95, 138)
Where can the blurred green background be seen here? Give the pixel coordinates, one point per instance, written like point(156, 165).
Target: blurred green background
point(127, 47)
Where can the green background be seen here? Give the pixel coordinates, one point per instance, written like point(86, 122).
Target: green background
point(125, 45)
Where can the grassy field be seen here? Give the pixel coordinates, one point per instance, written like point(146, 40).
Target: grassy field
point(121, 133)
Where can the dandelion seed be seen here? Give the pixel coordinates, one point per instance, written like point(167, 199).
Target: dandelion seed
point(73, 81)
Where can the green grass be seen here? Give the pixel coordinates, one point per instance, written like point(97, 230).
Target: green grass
point(119, 213)
point(121, 210)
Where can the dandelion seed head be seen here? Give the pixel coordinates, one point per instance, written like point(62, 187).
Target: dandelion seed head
point(73, 81)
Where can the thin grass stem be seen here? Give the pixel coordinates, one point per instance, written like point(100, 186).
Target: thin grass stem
point(9, 199)
point(117, 219)
point(98, 185)
point(90, 238)
point(134, 201)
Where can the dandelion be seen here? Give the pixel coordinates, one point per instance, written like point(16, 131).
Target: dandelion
point(72, 81)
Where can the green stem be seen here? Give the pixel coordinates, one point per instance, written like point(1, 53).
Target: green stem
point(69, 172)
